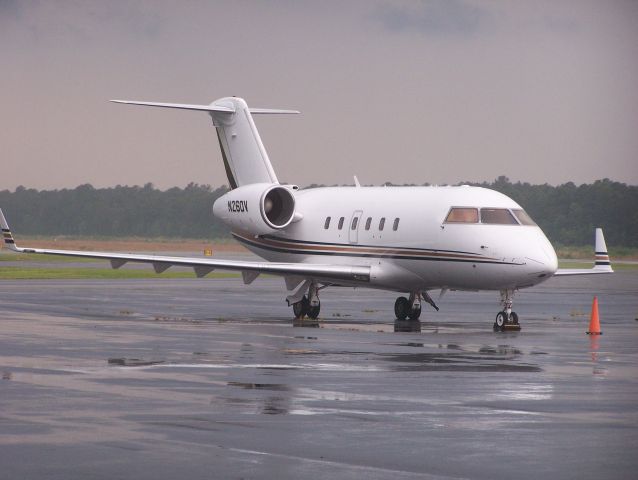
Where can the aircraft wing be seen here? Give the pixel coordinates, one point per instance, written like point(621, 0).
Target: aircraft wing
point(579, 271)
point(203, 266)
point(601, 265)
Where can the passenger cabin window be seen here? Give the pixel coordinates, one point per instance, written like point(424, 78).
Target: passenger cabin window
point(368, 223)
point(497, 216)
point(395, 227)
point(462, 215)
point(381, 224)
point(327, 224)
point(340, 226)
point(523, 217)
point(355, 220)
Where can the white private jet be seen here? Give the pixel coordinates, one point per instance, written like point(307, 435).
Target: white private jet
point(411, 240)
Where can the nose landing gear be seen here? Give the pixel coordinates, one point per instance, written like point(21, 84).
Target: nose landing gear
point(506, 320)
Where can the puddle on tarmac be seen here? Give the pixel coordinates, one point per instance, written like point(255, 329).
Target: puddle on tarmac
point(260, 386)
point(455, 363)
point(504, 350)
point(267, 403)
point(452, 357)
point(134, 362)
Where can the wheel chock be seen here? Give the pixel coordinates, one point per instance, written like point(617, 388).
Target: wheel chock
point(305, 322)
point(407, 326)
point(508, 327)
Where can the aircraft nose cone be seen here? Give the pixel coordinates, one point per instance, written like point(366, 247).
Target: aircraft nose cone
point(548, 256)
point(540, 258)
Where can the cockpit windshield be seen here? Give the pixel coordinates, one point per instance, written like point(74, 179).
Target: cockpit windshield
point(489, 216)
point(523, 217)
point(498, 216)
point(462, 215)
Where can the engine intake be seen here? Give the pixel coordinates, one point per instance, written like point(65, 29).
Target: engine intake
point(278, 207)
point(258, 208)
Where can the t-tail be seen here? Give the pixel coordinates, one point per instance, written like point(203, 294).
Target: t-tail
point(245, 158)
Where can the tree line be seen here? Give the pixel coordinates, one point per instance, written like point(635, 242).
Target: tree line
point(567, 213)
point(120, 211)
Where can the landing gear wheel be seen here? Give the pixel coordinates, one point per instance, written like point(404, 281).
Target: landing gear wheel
point(501, 320)
point(313, 312)
point(506, 319)
point(301, 308)
point(415, 313)
point(503, 323)
point(401, 308)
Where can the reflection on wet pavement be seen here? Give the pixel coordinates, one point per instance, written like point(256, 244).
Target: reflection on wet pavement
point(86, 391)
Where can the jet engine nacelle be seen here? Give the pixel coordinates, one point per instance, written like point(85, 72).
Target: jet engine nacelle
point(258, 208)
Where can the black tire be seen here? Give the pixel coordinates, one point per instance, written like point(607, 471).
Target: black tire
point(301, 308)
point(514, 318)
point(501, 320)
point(401, 308)
point(313, 312)
point(415, 313)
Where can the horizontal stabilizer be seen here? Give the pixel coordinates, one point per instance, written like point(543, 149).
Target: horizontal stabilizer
point(182, 106)
point(204, 108)
point(243, 153)
point(272, 110)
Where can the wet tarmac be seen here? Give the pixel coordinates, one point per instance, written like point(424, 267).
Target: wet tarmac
point(159, 379)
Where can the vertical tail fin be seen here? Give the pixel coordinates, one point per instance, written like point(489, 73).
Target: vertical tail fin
point(245, 158)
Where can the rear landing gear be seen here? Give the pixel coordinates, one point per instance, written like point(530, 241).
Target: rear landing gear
point(303, 308)
point(411, 308)
point(405, 309)
point(407, 313)
point(309, 306)
point(313, 312)
point(401, 308)
point(506, 320)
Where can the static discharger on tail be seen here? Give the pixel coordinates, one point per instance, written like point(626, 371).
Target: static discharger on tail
point(411, 240)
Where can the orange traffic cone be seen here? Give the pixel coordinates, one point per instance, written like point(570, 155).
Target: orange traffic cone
point(594, 323)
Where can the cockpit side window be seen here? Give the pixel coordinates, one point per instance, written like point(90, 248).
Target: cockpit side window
point(497, 216)
point(462, 215)
point(523, 217)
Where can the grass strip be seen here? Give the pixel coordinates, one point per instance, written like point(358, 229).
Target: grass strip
point(615, 265)
point(41, 258)
point(52, 273)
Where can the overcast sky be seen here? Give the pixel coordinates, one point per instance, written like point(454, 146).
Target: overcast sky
point(436, 91)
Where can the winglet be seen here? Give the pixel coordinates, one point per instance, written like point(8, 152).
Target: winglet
point(6, 234)
point(602, 264)
point(602, 257)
